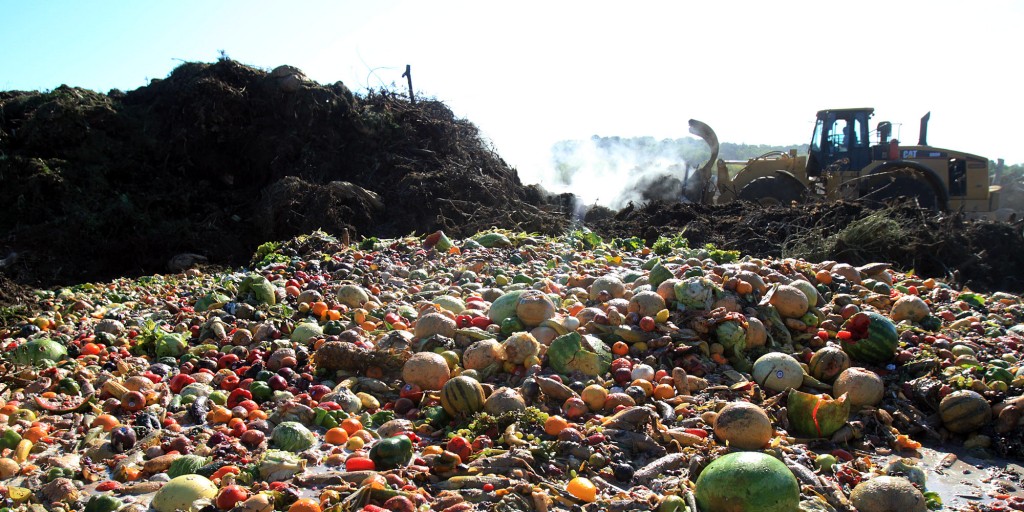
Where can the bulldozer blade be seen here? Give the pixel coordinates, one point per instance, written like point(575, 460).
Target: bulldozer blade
point(704, 190)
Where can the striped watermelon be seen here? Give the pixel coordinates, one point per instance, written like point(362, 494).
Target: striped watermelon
point(462, 396)
point(873, 338)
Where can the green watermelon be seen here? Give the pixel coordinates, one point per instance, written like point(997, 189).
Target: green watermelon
point(747, 482)
point(873, 338)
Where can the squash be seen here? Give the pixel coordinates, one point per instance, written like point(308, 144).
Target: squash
point(790, 301)
point(743, 425)
point(862, 387)
point(964, 411)
point(778, 372)
point(427, 370)
point(873, 338)
point(462, 397)
point(887, 494)
point(534, 307)
point(828, 362)
point(747, 481)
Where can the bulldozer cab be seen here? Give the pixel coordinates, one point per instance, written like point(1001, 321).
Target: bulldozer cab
point(840, 141)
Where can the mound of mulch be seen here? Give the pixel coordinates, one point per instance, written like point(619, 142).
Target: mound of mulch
point(218, 158)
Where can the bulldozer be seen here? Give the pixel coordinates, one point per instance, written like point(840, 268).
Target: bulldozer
point(844, 161)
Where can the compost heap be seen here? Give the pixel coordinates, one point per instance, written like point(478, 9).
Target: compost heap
point(509, 371)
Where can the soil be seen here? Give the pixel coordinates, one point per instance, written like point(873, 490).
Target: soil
point(219, 158)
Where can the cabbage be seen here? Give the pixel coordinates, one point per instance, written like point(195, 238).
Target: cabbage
point(696, 292)
point(186, 465)
point(306, 331)
point(261, 289)
point(171, 345)
point(210, 299)
point(181, 492)
point(292, 436)
point(196, 389)
point(279, 465)
point(733, 337)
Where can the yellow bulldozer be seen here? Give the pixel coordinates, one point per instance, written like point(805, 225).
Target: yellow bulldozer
point(843, 162)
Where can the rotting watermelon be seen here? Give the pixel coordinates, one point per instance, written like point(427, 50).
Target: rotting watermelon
point(873, 338)
point(747, 481)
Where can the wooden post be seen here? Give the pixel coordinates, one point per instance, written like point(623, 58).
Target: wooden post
point(408, 75)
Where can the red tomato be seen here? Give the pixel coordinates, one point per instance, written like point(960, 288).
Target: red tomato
point(359, 464)
point(179, 381)
point(460, 446)
point(480, 322)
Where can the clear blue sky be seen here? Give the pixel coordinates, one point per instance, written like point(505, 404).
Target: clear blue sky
point(532, 73)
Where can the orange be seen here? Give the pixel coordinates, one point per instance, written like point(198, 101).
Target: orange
point(620, 348)
point(664, 391)
point(106, 421)
point(305, 505)
point(318, 308)
point(336, 436)
point(351, 425)
point(824, 277)
point(555, 424)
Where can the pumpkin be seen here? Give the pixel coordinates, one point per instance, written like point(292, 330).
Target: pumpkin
point(778, 372)
point(873, 338)
point(862, 387)
point(747, 481)
point(743, 425)
point(790, 301)
point(504, 400)
point(887, 494)
point(909, 307)
point(964, 411)
point(434, 323)
point(828, 362)
point(816, 415)
point(534, 307)
point(427, 370)
point(462, 396)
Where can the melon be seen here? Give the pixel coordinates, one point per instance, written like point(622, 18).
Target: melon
point(462, 396)
point(747, 481)
point(888, 494)
point(816, 415)
point(862, 387)
point(778, 372)
point(964, 411)
point(828, 362)
point(873, 338)
point(909, 307)
point(743, 425)
point(790, 301)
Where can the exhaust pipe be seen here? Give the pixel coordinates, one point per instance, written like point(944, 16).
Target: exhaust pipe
point(923, 138)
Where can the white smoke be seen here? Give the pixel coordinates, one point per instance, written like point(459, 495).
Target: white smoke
point(613, 172)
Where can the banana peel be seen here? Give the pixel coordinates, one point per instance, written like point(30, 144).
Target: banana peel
point(628, 334)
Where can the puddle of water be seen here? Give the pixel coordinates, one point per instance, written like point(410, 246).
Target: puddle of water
point(969, 480)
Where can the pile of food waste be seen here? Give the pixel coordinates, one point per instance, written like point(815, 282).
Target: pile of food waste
point(513, 371)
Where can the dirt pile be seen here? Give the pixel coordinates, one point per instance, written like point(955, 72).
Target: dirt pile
point(218, 158)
